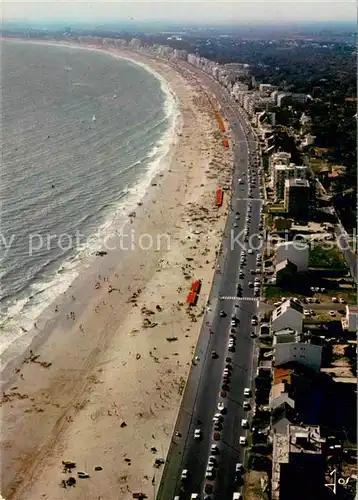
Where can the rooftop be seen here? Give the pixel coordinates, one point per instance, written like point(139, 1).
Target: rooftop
point(288, 304)
point(297, 182)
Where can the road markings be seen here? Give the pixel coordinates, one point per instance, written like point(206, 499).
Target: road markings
point(229, 297)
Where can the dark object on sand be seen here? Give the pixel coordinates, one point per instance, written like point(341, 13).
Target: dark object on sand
point(100, 253)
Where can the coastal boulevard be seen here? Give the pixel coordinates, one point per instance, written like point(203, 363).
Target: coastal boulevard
point(202, 393)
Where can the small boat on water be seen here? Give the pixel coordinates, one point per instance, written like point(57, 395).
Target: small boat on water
point(94, 118)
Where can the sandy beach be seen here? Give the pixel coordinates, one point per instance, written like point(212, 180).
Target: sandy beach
point(101, 383)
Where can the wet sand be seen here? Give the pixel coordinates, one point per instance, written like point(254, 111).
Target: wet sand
point(102, 384)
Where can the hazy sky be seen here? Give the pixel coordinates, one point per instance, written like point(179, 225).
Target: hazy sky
point(177, 10)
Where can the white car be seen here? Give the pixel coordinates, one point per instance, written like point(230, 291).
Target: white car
point(197, 434)
point(332, 313)
point(232, 322)
point(244, 423)
point(226, 372)
point(212, 461)
point(221, 407)
point(209, 474)
point(243, 440)
point(250, 251)
point(247, 392)
point(239, 467)
point(306, 312)
point(194, 496)
point(246, 405)
point(184, 474)
point(218, 416)
point(254, 322)
point(214, 449)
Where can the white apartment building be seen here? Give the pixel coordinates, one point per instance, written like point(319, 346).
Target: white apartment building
point(288, 315)
point(294, 251)
point(290, 347)
point(280, 173)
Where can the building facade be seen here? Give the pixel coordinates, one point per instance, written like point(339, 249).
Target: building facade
point(288, 315)
point(297, 197)
point(290, 347)
point(295, 252)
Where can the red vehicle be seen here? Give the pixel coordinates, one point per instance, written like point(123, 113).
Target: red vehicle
point(216, 436)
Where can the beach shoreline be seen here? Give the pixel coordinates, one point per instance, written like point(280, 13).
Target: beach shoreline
point(78, 262)
point(102, 384)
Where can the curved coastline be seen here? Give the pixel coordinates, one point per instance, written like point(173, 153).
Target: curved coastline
point(104, 367)
point(21, 332)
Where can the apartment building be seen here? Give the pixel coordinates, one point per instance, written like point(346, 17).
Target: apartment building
point(288, 315)
point(298, 464)
point(280, 173)
point(297, 197)
point(295, 252)
point(290, 346)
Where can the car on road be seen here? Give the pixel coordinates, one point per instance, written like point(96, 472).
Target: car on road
point(250, 251)
point(208, 489)
point(194, 496)
point(225, 386)
point(217, 417)
point(239, 467)
point(226, 379)
point(244, 423)
point(237, 496)
point(231, 348)
point(247, 392)
point(223, 394)
point(226, 372)
point(214, 355)
point(221, 407)
point(197, 434)
point(254, 321)
point(210, 472)
point(184, 474)
point(253, 335)
point(214, 449)
point(233, 322)
point(216, 436)
point(243, 440)
point(222, 314)
point(236, 225)
point(218, 426)
point(212, 461)
point(196, 359)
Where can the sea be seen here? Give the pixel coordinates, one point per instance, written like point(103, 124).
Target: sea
point(82, 135)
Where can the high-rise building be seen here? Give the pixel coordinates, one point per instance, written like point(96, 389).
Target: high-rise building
point(297, 197)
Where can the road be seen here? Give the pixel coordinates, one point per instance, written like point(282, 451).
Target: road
point(349, 255)
point(204, 383)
